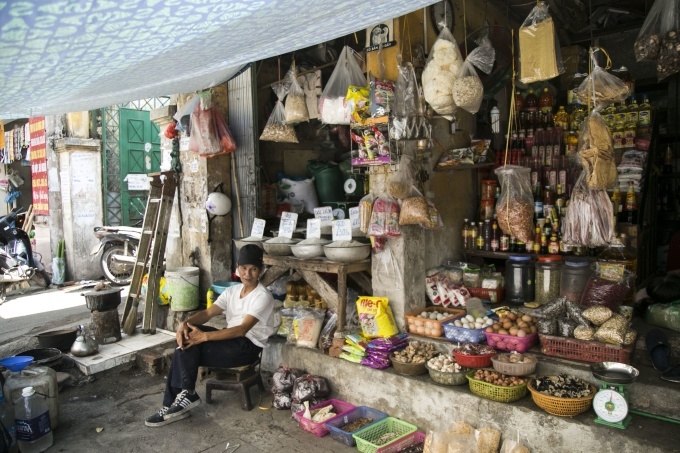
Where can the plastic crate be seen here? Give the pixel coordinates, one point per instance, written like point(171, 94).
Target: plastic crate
point(473, 361)
point(366, 436)
point(432, 324)
point(495, 296)
point(405, 442)
point(320, 429)
point(496, 392)
point(585, 350)
point(461, 334)
point(345, 437)
point(511, 343)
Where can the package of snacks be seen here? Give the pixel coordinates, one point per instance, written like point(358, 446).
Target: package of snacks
point(385, 218)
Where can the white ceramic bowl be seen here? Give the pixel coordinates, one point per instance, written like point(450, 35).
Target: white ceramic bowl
point(349, 254)
point(279, 249)
point(308, 251)
point(241, 242)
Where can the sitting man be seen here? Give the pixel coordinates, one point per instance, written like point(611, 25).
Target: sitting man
point(249, 311)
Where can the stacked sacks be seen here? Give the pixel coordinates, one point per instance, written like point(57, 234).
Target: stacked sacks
point(284, 379)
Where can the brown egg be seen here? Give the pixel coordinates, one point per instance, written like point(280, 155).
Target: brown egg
point(526, 318)
point(503, 331)
point(489, 329)
point(512, 316)
point(521, 333)
point(533, 319)
point(533, 329)
point(522, 324)
point(513, 331)
point(526, 330)
point(507, 325)
point(496, 326)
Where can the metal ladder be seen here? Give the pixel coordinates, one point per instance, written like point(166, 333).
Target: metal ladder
point(151, 250)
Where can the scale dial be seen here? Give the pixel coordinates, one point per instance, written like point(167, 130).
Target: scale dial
point(610, 406)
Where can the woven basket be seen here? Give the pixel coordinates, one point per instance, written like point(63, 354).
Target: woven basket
point(447, 378)
point(513, 369)
point(408, 369)
point(562, 407)
point(365, 437)
point(496, 392)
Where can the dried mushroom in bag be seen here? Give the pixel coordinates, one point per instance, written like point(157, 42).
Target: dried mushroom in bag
point(663, 18)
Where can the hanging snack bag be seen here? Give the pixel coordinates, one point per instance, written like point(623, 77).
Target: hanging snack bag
point(296, 104)
point(589, 219)
point(515, 207)
point(381, 96)
point(365, 211)
point(375, 317)
point(539, 49)
point(597, 153)
point(332, 104)
point(277, 129)
point(443, 66)
point(358, 102)
point(600, 88)
point(468, 91)
point(385, 218)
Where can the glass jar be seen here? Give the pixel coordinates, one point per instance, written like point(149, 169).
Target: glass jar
point(489, 189)
point(487, 209)
point(548, 278)
point(519, 279)
point(574, 277)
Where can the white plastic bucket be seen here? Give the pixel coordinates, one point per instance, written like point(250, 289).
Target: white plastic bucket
point(181, 286)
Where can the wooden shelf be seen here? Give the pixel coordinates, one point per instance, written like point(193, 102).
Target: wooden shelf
point(463, 167)
point(496, 255)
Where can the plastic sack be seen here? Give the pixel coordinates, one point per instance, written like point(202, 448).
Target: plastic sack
point(658, 37)
point(539, 48)
point(326, 337)
point(596, 152)
point(414, 211)
point(406, 95)
point(58, 270)
point(277, 129)
point(387, 271)
point(399, 184)
point(203, 140)
point(375, 317)
point(515, 207)
point(381, 96)
point(613, 331)
point(600, 88)
point(664, 315)
point(434, 219)
point(296, 104)
point(468, 90)
point(284, 378)
point(589, 219)
point(282, 401)
point(385, 218)
point(300, 193)
point(307, 325)
point(332, 104)
point(365, 211)
point(358, 102)
point(442, 68)
point(484, 56)
point(309, 387)
point(609, 293)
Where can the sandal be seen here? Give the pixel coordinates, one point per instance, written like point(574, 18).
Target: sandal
point(672, 375)
point(658, 349)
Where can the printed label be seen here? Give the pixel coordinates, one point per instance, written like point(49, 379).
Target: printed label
point(342, 230)
point(313, 228)
point(33, 429)
point(287, 224)
point(258, 228)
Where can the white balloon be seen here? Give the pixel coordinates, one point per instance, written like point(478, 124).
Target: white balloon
point(218, 204)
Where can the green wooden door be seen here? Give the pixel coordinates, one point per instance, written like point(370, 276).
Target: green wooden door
point(140, 152)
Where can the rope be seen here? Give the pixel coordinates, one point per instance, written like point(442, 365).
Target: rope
point(511, 120)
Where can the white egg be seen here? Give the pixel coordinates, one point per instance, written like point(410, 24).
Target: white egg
point(424, 314)
point(470, 318)
point(478, 325)
point(433, 316)
point(458, 323)
point(479, 320)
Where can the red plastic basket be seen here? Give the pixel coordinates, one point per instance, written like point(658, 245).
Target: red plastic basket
point(405, 442)
point(504, 342)
point(585, 350)
point(319, 429)
point(473, 361)
point(494, 295)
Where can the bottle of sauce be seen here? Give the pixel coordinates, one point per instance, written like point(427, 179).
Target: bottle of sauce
point(572, 144)
point(609, 115)
point(531, 101)
point(576, 118)
point(505, 242)
point(480, 239)
point(553, 245)
point(619, 131)
point(621, 113)
point(629, 133)
point(473, 232)
point(519, 102)
point(630, 209)
point(544, 244)
point(464, 233)
point(645, 112)
point(632, 115)
point(616, 201)
point(488, 234)
point(537, 240)
point(545, 102)
point(548, 201)
point(560, 201)
point(495, 236)
point(562, 118)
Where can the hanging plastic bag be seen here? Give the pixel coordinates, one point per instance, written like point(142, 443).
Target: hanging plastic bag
point(222, 132)
point(414, 210)
point(468, 90)
point(657, 31)
point(539, 48)
point(277, 129)
point(600, 88)
point(515, 207)
point(385, 218)
point(597, 153)
point(406, 93)
point(388, 272)
point(365, 211)
point(589, 219)
point(332, 104)
point(203, 140)
point(443, 66)
point(400, 182)
point(434, 219)
point(381, 96)
point(296, 104)
point(358, 102)
point(483, 56)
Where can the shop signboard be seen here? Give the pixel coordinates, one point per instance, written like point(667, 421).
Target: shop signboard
point(257, 230)
point(39, 166)
point(313, 228)
point(382, 33)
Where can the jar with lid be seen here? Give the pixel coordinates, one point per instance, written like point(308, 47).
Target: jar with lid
point(489, 189)
point(548, 278)
point(519, 279)
point(487, 209)
point(574, 276)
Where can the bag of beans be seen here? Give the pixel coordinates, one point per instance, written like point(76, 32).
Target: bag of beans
point(296, 104)
point(515, 207)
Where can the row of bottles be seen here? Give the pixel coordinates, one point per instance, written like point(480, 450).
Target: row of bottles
point(625, 209)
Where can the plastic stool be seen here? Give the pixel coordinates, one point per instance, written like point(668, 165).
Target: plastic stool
point(238, 379)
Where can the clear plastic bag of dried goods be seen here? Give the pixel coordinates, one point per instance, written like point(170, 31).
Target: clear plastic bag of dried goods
point(443, 66)
point(468, 90)
point(600, 88)
point(613, 331)
point(596, 152)
point(606, 290)
point(326, 337)
point(347, 72)
point(385, 218)
point(308, 387)
point(515, 207)
point(296, 104)
point(365, 211)
point(400, 183)
point(663, 19)
point(277, 129)
point(589, 219)
point(381, 96)
point(539, 48)
point(414, 210)
point(284, 378)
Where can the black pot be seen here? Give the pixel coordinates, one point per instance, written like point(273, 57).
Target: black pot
point(59, 339)
point(45, 356)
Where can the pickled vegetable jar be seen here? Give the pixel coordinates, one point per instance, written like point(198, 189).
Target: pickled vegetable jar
point(574, 277)
point(548, 278)
point(519, 279)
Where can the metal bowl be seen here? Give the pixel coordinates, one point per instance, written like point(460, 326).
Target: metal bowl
point(307, 251)
point(59, 339)
point(279, 249)
point(44, 356)
point(347, 254)
point(249, 240)
point(614, 372)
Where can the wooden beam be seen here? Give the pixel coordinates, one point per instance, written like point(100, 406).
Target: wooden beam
point(364, 282)
point(272, 274)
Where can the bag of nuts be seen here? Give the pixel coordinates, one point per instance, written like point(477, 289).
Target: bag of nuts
point(515, 207)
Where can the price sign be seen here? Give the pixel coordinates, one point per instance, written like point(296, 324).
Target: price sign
point(325, 214)
point(258, 228)
point(288, 224)
point(354, 218)
point(342, 230)
point(313, 228)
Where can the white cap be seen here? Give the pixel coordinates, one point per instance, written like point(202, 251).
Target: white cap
point(27, 391)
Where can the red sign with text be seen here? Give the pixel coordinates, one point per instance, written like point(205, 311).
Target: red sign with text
point(39, 166)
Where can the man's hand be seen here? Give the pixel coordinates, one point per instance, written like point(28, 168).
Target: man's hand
point(182, 334)
point(194, 336)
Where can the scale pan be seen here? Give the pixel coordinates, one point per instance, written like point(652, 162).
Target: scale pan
point(614, 372)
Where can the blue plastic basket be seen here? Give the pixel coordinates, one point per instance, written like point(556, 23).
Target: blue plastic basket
point(220, 287)
point(461, 334)
point(345, 437)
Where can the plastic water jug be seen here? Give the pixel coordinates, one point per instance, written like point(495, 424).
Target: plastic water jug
point(32, 422)
point(43, 380)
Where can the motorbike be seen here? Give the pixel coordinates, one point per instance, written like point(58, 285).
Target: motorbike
point(18, 261)
point(116, 251)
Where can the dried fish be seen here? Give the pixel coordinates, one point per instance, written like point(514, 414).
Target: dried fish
point(589, 219)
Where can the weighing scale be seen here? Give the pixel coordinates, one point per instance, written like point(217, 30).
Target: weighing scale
point(611, 401)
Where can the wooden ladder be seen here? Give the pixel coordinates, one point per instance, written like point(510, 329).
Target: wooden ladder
point(151, 249)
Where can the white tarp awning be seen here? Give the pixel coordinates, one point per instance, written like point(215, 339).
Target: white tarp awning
point(74, 55)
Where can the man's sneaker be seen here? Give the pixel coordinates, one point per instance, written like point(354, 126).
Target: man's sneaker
point(184, 402)
point(158, 419)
